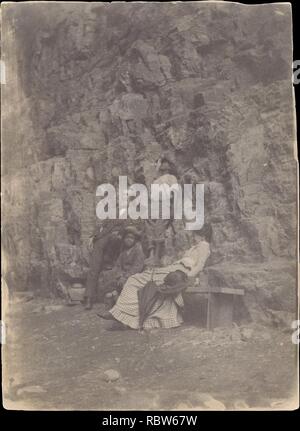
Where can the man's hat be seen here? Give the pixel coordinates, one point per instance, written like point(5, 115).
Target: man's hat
point(175, 278)
point(108, 226)
point(174, 283)
point(132, 230)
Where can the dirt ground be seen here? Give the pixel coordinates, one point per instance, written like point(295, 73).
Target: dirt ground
point(56, 357)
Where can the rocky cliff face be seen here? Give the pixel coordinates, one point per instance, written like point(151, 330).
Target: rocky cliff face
point(96, 91)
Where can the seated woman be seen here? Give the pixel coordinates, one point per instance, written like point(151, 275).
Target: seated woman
point(168, 312)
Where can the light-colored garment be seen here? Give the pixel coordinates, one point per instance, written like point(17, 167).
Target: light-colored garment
point(167, 311)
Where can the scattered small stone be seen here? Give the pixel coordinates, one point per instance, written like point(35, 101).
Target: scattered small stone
point(168, 343)
point(246, 334)
point(111, 375)
point(47, 308)
point(50, 308)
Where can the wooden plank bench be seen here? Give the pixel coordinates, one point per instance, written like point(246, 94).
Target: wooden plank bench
point(220, 304)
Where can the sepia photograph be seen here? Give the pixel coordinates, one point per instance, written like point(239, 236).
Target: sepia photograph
point(149, 189)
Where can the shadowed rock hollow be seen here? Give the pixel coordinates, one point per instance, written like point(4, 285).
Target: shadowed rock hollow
point(96, 91)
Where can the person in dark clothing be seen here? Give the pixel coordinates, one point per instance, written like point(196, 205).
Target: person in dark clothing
point(106, 246)
point(130, 261)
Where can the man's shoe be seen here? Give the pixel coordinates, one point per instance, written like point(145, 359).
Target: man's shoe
point(89, 304)
point(106, 315)
point(116, 326)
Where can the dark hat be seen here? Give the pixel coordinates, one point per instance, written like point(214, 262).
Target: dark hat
point(132, 230)
point(175, 282)
point(175, 278)
point(108, 226)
